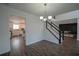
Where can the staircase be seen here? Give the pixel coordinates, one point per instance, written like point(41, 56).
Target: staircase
point(57, 29)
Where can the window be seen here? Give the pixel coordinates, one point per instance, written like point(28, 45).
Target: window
point(15, 26)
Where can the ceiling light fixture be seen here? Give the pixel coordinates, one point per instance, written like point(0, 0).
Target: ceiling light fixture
point(45, 17)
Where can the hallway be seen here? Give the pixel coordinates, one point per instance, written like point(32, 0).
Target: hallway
point(18, 47)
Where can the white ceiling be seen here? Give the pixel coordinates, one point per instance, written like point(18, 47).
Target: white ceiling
point(52, 9)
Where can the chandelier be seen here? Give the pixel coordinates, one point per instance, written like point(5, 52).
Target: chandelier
point(44, 18)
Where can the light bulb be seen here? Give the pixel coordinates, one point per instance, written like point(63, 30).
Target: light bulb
point(45, 19)
point(49, 17)
point(41, 17)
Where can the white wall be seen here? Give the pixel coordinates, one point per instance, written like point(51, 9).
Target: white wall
point(68, 15)
point(66, 21)
point(4, 34)
point(49, 37)
point(34, 30)
point(77, 29)
point(33, 27)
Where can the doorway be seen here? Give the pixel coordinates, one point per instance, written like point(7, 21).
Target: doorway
point(17, 35)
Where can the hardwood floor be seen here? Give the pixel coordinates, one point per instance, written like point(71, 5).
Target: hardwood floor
point(46, 48)
point(43, 48)
point(18, 47)
point(69, 47)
